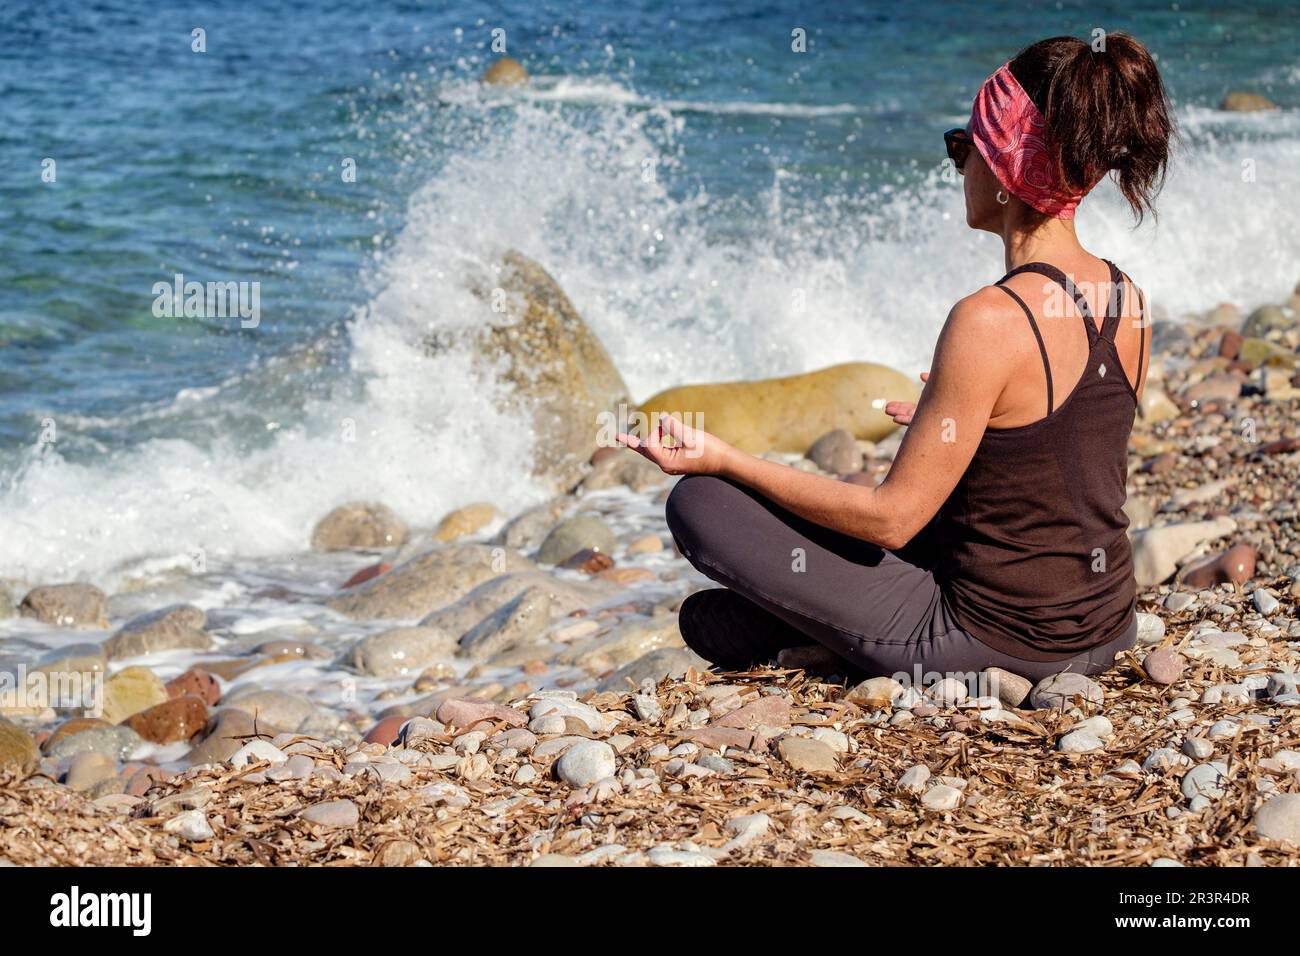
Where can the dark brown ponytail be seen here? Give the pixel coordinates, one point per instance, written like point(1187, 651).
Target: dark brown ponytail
point(1105, 109)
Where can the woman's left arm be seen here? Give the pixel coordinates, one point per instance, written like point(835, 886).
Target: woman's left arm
point(966, 378)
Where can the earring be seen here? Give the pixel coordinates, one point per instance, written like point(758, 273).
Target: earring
point(1002, 198)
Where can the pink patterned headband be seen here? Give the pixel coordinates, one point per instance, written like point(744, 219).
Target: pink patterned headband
point(1008, 131)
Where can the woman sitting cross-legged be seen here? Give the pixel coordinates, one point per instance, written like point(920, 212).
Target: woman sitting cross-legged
point(998, 537)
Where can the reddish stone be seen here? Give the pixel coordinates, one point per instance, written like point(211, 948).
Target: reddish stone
point(74, 726)
point(588, 561)
point(603, 452)
point(195, 683)
point(1283, 446)
point(1160, 464)
point(1164, 665)
point(536, 666)
point(177, 719)
point(1235, 566)
point(462, 713)
point(764, 712)
point(1230, 344)
point(385, 732)
point(367, 573)
point(715, 738)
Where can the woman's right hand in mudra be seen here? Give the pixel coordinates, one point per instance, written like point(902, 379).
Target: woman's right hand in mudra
point(902, 412)
point(693, 451)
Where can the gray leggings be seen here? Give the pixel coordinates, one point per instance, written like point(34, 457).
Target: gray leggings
point(881, 610)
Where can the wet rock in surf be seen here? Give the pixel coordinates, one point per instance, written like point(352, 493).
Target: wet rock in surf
point(536, 342)
point(67, 605)
point(466, 521)
point(626, 643)
point(506, 71)
point(789, 414)
point(178, 627)
point(359, 525)
point(427, 582)
point(402, 651)
point(581, 533)
point(520, 622)
point(565, 597)
point(526, 531)
point(622, 466)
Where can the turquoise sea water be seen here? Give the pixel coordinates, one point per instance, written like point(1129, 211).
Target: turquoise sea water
point(677, 167)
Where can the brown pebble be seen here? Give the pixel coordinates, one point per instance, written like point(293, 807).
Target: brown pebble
point(1283, 446)
point(385, 732)
point(177, 719)
point(1230, 344)
point(367, 573)
point(865, 478)
point(195, 682)
point(588, 561)
point(1236, 566)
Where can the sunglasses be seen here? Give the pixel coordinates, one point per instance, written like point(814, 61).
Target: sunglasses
point(959, 143)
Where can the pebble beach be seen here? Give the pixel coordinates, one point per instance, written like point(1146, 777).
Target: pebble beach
point(317, 547)
point(512, 689)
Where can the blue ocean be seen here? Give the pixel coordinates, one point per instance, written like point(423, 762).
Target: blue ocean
point(679, 168)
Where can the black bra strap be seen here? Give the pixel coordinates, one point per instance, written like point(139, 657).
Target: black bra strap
point(1061, 279)
point(1041, 347)
point(1115, 303)
point(1142, 342)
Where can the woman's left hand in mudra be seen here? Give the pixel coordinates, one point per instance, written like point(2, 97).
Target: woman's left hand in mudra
point(692, 451)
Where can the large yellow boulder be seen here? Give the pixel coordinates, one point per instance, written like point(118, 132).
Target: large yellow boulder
point(788, 414)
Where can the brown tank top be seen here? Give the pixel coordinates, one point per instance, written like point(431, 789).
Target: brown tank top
point(1035, 558)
